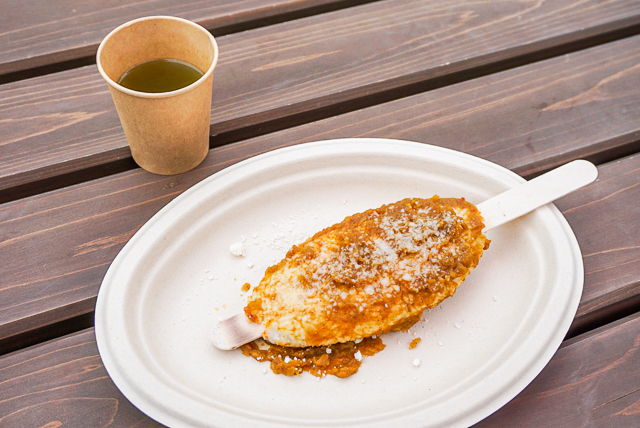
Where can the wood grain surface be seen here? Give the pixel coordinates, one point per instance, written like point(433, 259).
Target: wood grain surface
point(612, 270)
point(592, 381)
point(266, 80)
point(36, 34)
point(63, 383)
point(529, 119)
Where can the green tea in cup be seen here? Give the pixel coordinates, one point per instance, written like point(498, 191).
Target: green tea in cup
point(160, 75)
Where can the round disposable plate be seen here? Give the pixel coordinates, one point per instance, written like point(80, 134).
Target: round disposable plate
point(177, 277)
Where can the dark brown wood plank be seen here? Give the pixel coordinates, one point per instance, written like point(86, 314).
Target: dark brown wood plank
point(266, 77)
point(610, 242)
point(66, 239)
point(593, 381)
point(616, 194)
point(36, 34)
point(529, 119)
point(64, 381)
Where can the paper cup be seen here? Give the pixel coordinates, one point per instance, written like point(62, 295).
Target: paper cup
point(168, 132)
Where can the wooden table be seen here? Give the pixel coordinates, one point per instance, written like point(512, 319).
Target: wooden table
point(526, 84)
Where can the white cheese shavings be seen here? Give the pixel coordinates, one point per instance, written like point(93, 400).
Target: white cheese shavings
point(358, 356)
point(237, 249)
point(416, 362)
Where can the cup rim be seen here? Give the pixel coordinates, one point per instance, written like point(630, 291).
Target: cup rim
point(141, 94)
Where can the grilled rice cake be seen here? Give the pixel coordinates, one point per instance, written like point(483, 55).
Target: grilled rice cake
point(374, 272)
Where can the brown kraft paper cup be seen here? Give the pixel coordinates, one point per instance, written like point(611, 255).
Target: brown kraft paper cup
point(168, 132)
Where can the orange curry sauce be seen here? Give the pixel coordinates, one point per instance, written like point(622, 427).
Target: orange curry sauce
point(341, 360)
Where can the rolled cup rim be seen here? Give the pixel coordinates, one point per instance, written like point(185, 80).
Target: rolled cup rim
point(141, 94)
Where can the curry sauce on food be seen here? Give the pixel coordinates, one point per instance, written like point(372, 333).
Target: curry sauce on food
point(341, 359)
point(373, 273)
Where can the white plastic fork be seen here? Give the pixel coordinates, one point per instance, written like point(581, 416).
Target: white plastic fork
point(507, 206)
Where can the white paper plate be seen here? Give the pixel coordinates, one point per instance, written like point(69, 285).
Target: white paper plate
point(176, 278)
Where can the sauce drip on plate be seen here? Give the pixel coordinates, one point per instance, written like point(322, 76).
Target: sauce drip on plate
point(341, 359)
